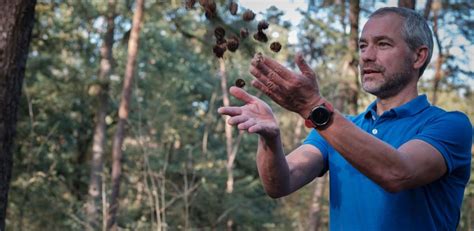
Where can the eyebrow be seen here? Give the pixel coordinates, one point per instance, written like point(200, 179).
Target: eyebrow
point(377, 38)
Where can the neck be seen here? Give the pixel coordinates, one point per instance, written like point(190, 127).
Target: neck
point(405, 95)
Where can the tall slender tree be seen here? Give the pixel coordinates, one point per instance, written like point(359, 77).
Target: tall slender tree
point(407, 3)
point(98, 146)
point(123, 115)
point(353, 43)
point(16, 20)
point(441, 56)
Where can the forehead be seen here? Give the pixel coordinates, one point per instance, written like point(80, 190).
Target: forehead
point(387, 25)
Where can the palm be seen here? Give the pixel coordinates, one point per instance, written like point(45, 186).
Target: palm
point(255, 116)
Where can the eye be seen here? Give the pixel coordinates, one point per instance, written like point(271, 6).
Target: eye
point(362, 46)
point(384, 44)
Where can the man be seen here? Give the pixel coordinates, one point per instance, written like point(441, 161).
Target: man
point(400, 165)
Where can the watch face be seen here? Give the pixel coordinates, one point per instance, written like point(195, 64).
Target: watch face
point(320, 116)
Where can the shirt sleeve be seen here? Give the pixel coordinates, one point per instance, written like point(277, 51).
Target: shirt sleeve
point(451, 134)
point(318, 141)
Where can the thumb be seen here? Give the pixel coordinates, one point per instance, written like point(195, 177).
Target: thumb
point(303, 66)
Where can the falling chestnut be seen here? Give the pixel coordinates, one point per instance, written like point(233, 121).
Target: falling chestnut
point(260, 36)
point(262, 25)
point(233, 8)
point(211, 9)
point(240, 83)
point(219, 50)
point(190, 4)
point(275, 46)
point(248, 15)
point(219, 33)
point(233, 43)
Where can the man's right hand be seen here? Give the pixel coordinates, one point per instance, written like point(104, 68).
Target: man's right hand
point(255, 116)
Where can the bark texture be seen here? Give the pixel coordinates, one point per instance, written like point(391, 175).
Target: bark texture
point(354, 9)
point(407, 3)
point(123, 115)
point(16, 24)
point(438, 76)
point(98, 146)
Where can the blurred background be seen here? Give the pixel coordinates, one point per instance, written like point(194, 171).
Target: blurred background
point(171, 162)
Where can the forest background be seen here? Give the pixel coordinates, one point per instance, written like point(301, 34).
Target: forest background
point(117, 124)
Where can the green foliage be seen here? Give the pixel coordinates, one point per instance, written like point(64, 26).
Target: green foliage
point(174, 166)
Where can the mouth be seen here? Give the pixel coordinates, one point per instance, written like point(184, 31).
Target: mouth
point(370, 71)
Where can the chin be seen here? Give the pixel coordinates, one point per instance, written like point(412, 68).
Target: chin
point(370, 87)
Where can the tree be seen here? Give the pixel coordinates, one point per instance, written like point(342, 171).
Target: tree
point(123, 115)
point(174, 150)
point(353, 45)
point(98, 146)
point(17, 19)
point(407, 3)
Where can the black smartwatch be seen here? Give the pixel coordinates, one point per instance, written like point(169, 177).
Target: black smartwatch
point(320, 117)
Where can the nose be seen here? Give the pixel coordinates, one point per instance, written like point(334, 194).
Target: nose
point(368, 54)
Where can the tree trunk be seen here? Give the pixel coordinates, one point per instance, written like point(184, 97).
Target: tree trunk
point(427, 10)
point(316, 206)
point(439, 61)
point(98, 146)
point(407, 3)
point(208, 123)
point(229, 139)
point(469, 212)
point(123, 115)
point(342, 19)
point(354, 9)
point(16, 24)
point(297, 132)
point(231, 145)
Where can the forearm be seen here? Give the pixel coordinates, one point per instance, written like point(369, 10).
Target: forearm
point(374, 158)
point(273, 167)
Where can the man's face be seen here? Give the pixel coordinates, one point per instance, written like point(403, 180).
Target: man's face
point(386, 61)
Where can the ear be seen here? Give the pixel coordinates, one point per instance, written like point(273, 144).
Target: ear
point(421, 54)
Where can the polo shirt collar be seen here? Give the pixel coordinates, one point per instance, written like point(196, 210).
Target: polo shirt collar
point(412, 107)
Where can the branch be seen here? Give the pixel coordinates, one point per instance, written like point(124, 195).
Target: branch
point(189, 34)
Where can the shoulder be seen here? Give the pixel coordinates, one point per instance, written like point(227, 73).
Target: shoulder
point(450, 132)
point(454, 120)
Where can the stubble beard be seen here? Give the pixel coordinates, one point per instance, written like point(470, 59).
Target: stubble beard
point(392, 84)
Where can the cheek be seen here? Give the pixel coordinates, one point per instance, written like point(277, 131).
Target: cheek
point(403, 63)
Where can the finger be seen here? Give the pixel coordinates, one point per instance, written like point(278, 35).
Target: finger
point(237, 119)
point(262, 77)
point(271, 64)
point(260, 66)
point(256, 72)
point(231, 111)
point(241, 94)
point(256, 128)
point(261, 129)
point(271, 82)
point(267, 90)
point(247, 124)
point(303, 66)
point(270, 74)
point(257, 58)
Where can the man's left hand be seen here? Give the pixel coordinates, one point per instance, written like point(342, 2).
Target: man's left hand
point(294, 91)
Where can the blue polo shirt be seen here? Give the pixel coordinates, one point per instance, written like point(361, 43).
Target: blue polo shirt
point(357, 203)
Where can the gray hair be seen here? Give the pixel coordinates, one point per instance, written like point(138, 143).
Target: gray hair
point(415, 30)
